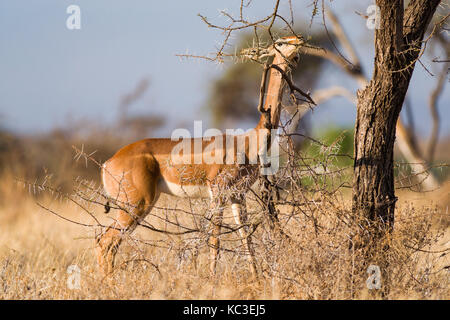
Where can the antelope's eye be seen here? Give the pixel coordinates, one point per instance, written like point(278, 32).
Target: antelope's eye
point(278, 44)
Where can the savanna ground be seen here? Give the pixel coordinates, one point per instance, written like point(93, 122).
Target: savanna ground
point(37, 247)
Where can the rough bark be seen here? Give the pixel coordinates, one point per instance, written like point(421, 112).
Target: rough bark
point(397, 47)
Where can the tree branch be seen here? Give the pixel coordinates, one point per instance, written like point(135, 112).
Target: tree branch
point(417, 16)
point(292, 86)
point(432, 103)
point(340, 34)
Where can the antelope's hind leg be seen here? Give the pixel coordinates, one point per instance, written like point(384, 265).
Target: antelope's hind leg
point(136, 197)
point(214, 239)
point(108, 242)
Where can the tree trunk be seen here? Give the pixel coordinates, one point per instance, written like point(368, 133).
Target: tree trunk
point(397, 47)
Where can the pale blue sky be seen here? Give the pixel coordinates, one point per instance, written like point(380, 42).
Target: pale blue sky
point(49, 74)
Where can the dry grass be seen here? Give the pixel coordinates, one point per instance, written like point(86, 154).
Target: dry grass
point(36, 248)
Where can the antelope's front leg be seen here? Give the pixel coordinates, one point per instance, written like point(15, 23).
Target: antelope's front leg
point(240, 217)
point(214, 241)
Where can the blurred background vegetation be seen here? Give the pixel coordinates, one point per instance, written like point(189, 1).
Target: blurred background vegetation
point(231, 103)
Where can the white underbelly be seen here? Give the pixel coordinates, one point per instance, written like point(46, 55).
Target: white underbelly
point(184, 191)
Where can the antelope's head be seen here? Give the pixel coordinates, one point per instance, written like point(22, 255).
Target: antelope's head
point(287, 47)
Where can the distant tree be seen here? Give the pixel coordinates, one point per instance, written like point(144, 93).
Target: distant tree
point(137, 126)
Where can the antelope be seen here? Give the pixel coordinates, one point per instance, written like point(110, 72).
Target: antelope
point(139, 172)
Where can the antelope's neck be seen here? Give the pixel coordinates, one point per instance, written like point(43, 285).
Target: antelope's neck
point(273, 94)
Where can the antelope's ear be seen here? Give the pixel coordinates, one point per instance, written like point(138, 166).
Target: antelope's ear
point(294, 40)
point(299, 40)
